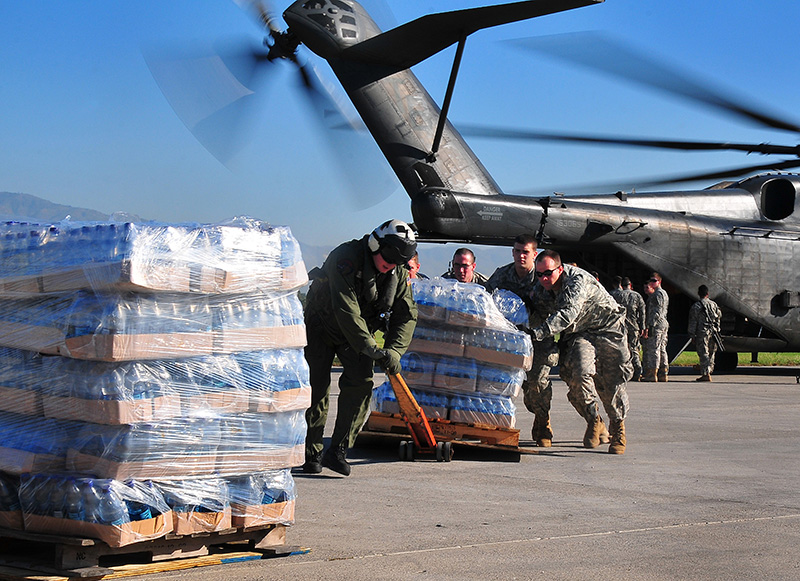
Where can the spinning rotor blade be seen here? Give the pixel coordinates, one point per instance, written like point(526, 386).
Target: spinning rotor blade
point(357, 157)
point(734, 172)
point(525, 135)
point(211, 90)
point(598, 52)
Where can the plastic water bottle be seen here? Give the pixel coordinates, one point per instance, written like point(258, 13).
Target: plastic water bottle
point(41, 488)
point(137, 510)
point(73, 501)
point(110, 510)
point(9, 495)
point(91, 501)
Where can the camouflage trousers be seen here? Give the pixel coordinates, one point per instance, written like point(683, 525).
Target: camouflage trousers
point(537, 389)
point(597, 366)
point(655, 350)
point(706, 350)
point(633, 348)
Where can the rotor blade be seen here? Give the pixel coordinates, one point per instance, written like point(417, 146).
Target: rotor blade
point(526, 135)
point(211, 90)
point(261, 11)
point(631, 184)
point(599, 52)
point(357, 157)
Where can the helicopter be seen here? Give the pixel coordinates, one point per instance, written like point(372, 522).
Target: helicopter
point(739, 238)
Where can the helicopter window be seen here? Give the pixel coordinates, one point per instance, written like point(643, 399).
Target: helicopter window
point(325, 21)
point(347, 20)
point(346, 33)
point(314, 5)
point(777, 199)
point(342, 5)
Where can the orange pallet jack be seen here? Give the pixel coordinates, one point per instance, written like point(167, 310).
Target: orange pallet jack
point(423, 441)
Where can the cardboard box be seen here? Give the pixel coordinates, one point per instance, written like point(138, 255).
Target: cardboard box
point(31, 337)
point(11, 519)
point(121, 347)
point(191, 522)
point(454, 383)
point(248, 516)
point(235, 340)
point(166, 468)
point(113, 536)
point(432, 313)
point(498, 357)
point(18, 462)
point(229, 401)
point(472, 417)
point(281, 401)
point(21, 401)
point(461, 319)
point(110, 412)
point(437, 347)
point(244, 462)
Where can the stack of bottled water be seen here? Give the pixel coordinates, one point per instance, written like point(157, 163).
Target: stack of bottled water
point(165, 373)
point(466, 351)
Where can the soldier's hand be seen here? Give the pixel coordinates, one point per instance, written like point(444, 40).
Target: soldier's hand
point(391, 364)
point(375, 353)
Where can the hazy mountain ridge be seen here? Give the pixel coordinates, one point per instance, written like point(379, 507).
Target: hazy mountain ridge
point(25, 207)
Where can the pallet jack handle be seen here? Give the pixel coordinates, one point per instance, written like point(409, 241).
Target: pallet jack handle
point(413, 415)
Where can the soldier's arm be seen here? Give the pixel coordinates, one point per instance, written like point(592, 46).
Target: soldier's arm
point(568, 306)
point(403, 319)
point(346, 309)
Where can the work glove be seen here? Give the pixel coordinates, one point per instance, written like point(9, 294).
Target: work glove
point(387, 359)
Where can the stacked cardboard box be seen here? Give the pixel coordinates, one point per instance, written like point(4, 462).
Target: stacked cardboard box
point(466, 361)
point(150, 365)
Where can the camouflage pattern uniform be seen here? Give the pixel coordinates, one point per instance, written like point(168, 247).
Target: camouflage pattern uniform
point(477, 277)
point(704, 319)
point(594, 351)
point(655, 346)
point(349, 300)
point(537, 389)
point(634, 324)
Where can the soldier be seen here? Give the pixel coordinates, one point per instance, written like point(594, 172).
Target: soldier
point(414, 266)
point(362, 287)
point(704, 319)
point(616, 292)
point(519, 278)
point(594, 352)
point(462, 268)
point(634, 321)
point(656, 361)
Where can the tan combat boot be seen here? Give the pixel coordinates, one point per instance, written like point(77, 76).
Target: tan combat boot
point(648, 375)
point(618, 440)
point(663, 374)
point(542, 433)
point(594, 427)
point(605, 438)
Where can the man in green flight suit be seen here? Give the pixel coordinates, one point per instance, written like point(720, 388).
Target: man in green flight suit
point(361, 288)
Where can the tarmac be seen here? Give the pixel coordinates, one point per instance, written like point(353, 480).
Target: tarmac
point(708, 488)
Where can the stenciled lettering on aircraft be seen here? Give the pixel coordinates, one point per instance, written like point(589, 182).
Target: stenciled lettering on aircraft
point(568, 223)
point(494, 213)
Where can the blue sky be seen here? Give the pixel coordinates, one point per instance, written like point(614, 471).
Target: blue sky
point(83, 122)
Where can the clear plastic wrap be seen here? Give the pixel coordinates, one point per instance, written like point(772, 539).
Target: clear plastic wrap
point(118, 513)
point(10, 508)
point(511, 306)
point(156, 355)
point(456, 303)
point(262, 498)
point(123, 326)
point(239, 256)
point(506, 347)
point(139, 391)
point(457, 407)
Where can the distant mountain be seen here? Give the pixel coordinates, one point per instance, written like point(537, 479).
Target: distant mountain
point(30, 208)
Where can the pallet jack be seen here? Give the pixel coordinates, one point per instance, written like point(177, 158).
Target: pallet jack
point(423, 441)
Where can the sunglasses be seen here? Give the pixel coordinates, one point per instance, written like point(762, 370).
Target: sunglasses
point(652, 280)
point(545, 273)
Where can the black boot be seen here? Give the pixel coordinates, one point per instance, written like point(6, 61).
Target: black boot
point(334, 458)
point(313, 464)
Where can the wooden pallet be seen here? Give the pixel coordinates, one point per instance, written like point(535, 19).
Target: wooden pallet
point(26, 555)
point(479, 436)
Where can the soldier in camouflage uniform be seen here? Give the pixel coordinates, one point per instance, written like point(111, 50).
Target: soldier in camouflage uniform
point(634, 321)
point(704, 319)
point(362, 287)
point(594, 351)
point(656, 360)
point(518, 277)
point(462, 268)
